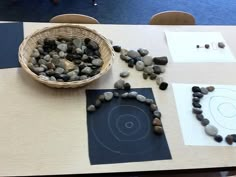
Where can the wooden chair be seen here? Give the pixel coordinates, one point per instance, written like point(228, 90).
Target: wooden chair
point(172, 18)
point(74, 18)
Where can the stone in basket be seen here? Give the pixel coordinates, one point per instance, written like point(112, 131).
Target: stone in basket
point(66, 56)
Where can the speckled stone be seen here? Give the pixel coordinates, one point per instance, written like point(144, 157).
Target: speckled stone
point(211, 130)
point(160, 60)
point(156, 122)
point(153, 76)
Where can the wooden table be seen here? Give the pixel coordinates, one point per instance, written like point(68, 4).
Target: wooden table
point(43, 131)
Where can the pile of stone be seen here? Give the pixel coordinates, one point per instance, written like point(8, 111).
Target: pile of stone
point(66, 60)
point(151, 67)
point(198, 94)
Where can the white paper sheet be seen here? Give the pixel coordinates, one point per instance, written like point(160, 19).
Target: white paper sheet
point(182, 46)
point(219, 107)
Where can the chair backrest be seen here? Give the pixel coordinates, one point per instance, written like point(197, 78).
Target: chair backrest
point(74, 18)
point(172, 18)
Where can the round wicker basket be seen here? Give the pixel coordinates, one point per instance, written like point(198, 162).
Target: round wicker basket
point(67, 31)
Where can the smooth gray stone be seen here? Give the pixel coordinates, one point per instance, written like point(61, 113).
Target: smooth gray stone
point(116, 94)
point(62, 54)
point(133, 94)
point(211, 130)
point(62, 47)
point(42, 74)
point(125, 95)
point(84, 57)
point(44, 66)
point(139, 66)
point(42, 61)
point(87, 70)
point(35, 53)
point(147, 60)
point(98, 103)
point(124, 52)
point(79, 50)
point(78, 43)
point(119, 84)
point(33, 61)
point(83, 77)
point(157, 114)
point(108, 96)
point(52, 78)
point(55, 56)
point(47, 57)
point(59, 70)
point(91, 108)
point(55, 61)
point(124, 74)
point(133, 54)
point(148, 70)
point(153, 107)
point(158, 130)
point(143, 52)
point(75, 78)
point(141, 98)
point(93, 45)
point(204, 91)
point(197, 111)
point(38, 70)
point(163, 69)
point(72, 74)
point(44, 77)
point(149, 101)
point(97, 62)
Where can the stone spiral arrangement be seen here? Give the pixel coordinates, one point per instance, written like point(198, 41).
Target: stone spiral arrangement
point(66, 60)
point(108, 96)
point(151, 67)
point(198, 94)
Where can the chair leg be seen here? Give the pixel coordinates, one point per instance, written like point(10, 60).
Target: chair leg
point(95, 3)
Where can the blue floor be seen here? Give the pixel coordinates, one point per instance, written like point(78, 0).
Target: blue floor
point(206, 12)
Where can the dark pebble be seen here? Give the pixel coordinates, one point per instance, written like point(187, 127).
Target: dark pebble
point(157, 114)
point(153, 76)
point(218, 138)
point(199, 117)
point(160, 60)
point(116, 94)
point(65, 77)
point(131, 63)
point(196, 105)
point(234, 137)
point(196, 89)
point(153, 107)
point(156, 122)
point(229, 139)
point(198, 94)
point(210, 88)
point(98, 103)
point(197, 46)
point(196, 99)
point(157, 69)
point(221, 45)
point(207, 46)
point(145, 75)
point(163, 86)
point(87, 40)
point(197, 111)
point(127, 86)
point(117, 48)
point(205, 122)
point(101, 98)
point(158, 130)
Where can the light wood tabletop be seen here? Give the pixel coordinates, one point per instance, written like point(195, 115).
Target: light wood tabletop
point(43, 131)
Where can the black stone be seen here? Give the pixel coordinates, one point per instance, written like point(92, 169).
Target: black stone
point(221, 45)
point(97, 53)
point(65, 77)
point(131, 63)
point(93, 45)
point(196, 89)
point(218, 138)
point(70, 49)
point(163, 86)
point(137, 59)
point(205, 122)
point(157, 69)
point(127, 86)
point(207, 46)
point(196, 99)
point(153, 76)
point(198, 46)
point(87, 40)
point(197, 111)
point(94, 72)
point(88, 51)
point(234, 137)
point(229, 139)
point(77, 62)
point(117, 48)
point(199, 117)
point(198, 94)
point(145, 75)
point(160, 60)
point(196, 105)
point(116, 94)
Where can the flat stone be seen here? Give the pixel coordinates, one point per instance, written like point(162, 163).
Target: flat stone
point(196, 105)
point(156, 122)
point(218, 138)
point(125, 95)
point(139, 66)
point(157, 114)
point(149, 101)
point(124, 74)
point(75, 78)
point(147, 60)
point(198, 94)
point(47, 57)
point(158, 130)
point(55, 61)
point(163, 86)
point(157, 69)
point(127, 86)
point(143, 52)
point(145, 76)
point(205, 122)
point(149, 70)
point(199, 117)
point(62, 47)
point(133, 54)
point(97, 62)
point(211, 130)
point(229, 139)
point(197, 111)
point(117, 48)
point(91, 108)
point(141, 98)
point(119, 84)
point(204, 90)
point(160, 60)
point(133, 94)
point(55, 56)
point(108, 96)
point(210, 88)
point(153, 107)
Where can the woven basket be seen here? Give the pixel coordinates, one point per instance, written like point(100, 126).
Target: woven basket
point(67, 31)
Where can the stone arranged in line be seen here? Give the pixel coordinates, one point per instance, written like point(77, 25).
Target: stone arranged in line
point(66, 60)
point(108, 96)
